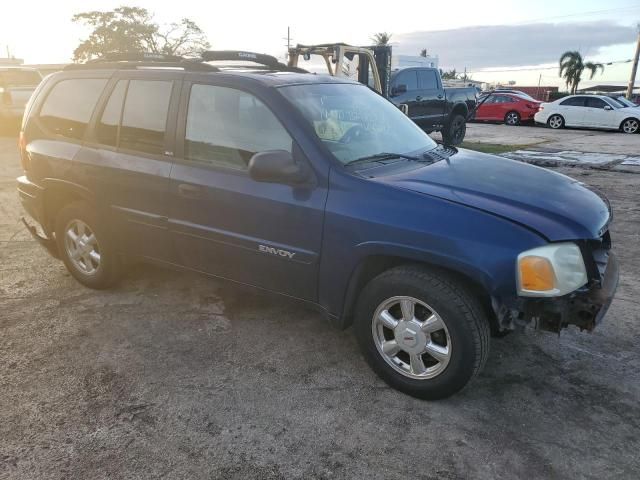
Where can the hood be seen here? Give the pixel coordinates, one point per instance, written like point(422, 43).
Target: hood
point(554, 205)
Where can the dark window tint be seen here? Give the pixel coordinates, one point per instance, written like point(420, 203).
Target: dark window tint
point(410, 79)
point(144, 118)
point(573, 102)
point(19, 78)
point(107, 129)
point(69, 106)
point(506, 99)
point(595, 102)
point(227, 126)
point(427, 79)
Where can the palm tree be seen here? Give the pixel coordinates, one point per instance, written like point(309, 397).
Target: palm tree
point(572, 66)
point(382, 38)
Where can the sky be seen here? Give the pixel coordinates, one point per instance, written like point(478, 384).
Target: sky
point(496, 41)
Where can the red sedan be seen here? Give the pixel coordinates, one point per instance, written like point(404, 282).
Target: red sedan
point(509, 108)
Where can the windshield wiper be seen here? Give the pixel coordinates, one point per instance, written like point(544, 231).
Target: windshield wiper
point(382, 156)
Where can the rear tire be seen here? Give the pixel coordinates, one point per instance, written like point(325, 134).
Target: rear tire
point(85, 247)
point(446, 321)
point(512, 118)
point(555, 121)
point(454, 132)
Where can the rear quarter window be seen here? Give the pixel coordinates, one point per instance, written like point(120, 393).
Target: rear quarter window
point(68, 107)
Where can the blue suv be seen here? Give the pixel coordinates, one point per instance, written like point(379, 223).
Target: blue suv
point(316, 188)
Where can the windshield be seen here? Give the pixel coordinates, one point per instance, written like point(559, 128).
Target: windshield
point(625, 102)
point(355, 122)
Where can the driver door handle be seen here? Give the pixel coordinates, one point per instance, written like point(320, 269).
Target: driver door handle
point(440, 97)
point(418, 98)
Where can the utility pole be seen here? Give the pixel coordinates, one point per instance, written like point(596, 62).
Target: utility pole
point(288, 42)
point(538, 90)
point(634, 69)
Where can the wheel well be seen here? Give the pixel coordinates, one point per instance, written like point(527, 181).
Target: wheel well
point(459, 109)
point(55, 200)
point(373, 266)
point(628, 118)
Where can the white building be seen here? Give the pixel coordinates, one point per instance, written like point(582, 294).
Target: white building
point(404, 61)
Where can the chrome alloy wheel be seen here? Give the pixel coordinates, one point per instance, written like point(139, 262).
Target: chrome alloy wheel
point(512, 118)
point(555, 121)
point(82, 247)
point(630, 125)
point(411, 337)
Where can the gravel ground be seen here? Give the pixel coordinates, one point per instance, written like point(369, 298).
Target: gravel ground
point(178, 376)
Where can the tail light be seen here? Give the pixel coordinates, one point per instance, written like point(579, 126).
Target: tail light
point(24, 155)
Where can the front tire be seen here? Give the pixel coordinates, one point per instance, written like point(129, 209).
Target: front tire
point(454, 132)
point(85, 248)
point(555, 121)
point(422, 331)
point(630, 125)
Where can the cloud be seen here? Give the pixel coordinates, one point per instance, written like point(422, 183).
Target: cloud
point(513, 45)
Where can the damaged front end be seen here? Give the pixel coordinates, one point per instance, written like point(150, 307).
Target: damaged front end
point(584, 307)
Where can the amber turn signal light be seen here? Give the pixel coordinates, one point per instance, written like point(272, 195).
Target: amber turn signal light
point(536, 274)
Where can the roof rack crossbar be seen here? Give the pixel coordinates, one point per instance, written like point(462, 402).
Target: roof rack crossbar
point(243, 56)
point(187, 65)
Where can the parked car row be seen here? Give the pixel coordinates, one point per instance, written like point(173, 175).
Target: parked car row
point(16, 86)
point(585, 111)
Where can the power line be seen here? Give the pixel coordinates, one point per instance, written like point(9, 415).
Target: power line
point(583, 14)
point(539, 68)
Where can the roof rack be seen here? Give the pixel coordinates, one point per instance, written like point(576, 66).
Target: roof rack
point(145, 59)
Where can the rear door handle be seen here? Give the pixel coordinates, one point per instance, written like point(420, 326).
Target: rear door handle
point(440, 97)
point(189, 191)
point(418, 98)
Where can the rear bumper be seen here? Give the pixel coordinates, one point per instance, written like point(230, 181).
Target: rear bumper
point(32, 199)
point(585, 308)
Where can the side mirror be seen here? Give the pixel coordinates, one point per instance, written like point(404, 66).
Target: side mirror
point(399, 89)
point(608, 107)
point(277, 166)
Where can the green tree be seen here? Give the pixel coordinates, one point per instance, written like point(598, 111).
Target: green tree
point(450, 75)
point(382, 38)
point(132, 30)
point(572, 65)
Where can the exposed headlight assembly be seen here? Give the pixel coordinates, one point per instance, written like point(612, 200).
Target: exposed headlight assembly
point(551, 271)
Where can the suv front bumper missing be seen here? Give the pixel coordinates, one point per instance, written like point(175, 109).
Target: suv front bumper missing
point(585, 308)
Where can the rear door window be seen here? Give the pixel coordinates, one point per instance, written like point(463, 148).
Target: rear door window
point(68, 107)
point(573, 102)
point(144, 118)
point(226, 127)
